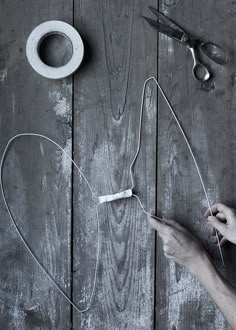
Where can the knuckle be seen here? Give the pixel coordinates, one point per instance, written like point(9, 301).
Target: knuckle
point(165, 248)
point(170, 231)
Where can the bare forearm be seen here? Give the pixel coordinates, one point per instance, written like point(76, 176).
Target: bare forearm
point(182, 247)
point(223, 293)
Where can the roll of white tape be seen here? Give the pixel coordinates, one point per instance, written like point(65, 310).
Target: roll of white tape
point(39, 34)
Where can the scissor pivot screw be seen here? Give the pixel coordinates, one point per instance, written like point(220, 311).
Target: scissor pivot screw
point(185, 39)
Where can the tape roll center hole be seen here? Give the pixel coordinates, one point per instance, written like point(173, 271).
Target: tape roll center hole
point(55, 49)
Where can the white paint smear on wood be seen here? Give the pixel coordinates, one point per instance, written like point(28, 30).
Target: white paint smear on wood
point(44, 183)
point(212, 189)
point(66, 162)
point(164, 10)
point(189, 291)
point(220, 322)
point(3, 75)
point(61, 103)
point(179, 294)
point(67, 169)
point(41, 149)
point(149, 104)
point(170, 45)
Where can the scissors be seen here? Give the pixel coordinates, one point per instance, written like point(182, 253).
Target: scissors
point(172, 30)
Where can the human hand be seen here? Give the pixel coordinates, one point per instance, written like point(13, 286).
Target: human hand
point(224, 221)
point(178, 243)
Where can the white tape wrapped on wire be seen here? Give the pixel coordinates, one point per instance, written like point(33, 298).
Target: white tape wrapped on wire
point(39, 34)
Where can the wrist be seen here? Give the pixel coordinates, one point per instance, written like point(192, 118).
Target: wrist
point(200, 264)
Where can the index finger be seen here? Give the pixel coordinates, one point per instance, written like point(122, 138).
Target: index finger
point(218, 207)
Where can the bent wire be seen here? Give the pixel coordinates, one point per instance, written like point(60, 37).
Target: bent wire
point(100, 199)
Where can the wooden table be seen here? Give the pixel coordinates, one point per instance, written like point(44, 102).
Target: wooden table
point(94, 116)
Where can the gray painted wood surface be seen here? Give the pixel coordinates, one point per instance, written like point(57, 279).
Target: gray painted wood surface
point(207, 113)
point(37, 177)
point(95, 116)
point(119, 56)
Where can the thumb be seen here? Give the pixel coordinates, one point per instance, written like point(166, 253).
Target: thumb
point(217, 224)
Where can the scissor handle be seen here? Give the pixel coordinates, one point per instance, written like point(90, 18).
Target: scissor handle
point(199, 70)
point(215, 52)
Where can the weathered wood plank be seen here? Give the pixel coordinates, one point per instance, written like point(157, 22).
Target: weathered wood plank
point(119, 56)
point(37, 176)
point(206, 111)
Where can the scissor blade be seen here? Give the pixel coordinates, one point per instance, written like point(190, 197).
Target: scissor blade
point(170, 32)
point(154, 11)
point(164, 19)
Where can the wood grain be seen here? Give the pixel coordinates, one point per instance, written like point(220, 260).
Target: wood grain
point(206, 111)
point(37, 177)
point(120, 55)
point(137, 287)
